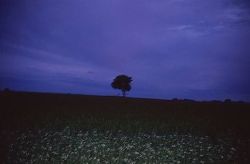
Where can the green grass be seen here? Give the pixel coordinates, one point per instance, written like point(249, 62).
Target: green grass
point(72, 145)
point(54, 128)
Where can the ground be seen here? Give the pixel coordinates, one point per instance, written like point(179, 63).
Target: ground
point(56, 128)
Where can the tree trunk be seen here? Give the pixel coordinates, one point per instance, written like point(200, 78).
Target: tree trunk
point(124, 93)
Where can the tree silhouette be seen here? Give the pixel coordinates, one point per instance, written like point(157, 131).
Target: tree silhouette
point(122, 82)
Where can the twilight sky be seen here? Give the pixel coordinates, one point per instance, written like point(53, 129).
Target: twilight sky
point(193, 49)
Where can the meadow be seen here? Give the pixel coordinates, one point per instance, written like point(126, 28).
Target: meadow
point(66, 128)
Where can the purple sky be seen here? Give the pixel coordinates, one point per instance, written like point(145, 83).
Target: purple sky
point(192, 49)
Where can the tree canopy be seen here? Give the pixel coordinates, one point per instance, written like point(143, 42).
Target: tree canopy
point(122, 82)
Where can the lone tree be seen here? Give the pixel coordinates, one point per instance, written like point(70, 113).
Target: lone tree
point(122, 82)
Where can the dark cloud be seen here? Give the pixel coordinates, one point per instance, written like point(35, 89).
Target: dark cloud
point(242, 3)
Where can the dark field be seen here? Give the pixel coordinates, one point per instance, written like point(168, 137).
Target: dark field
point(57, 128)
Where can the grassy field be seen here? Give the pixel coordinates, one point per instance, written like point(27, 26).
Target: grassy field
point(64, 128)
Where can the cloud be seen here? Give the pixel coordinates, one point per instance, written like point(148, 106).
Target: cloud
point(181, 27)
point(242, 3)
point(46, 64)
point(235, 15)
point(189, 30)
